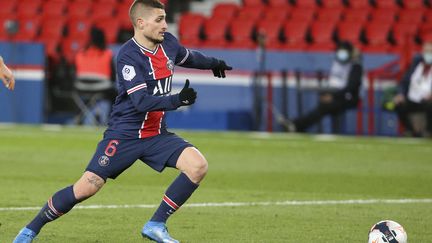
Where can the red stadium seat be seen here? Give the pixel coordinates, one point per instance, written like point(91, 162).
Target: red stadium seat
point(52, 27)
point(414, 4)
point(249, 13)
point(71, 46)
point(306, 4)
point(79, 9)
point(241, 33)
point(302, 15)
point(100, 11)
point(7, 7)
point(404, 32)
point(356, 15)
point(28, 28)
point(79, 28)
point(271, 30)
point(359, 4)
point(190, 29)
point(254, 3)
point(377, 34)
point(295, 35)
point(51, 47)
point(225, 11)
point(215, 30)
point(322, 34)
point(123, 16)
point(112, 2)
point(110, 26)
point(333, 4)
point(276, 13)
point(387, 4)
point(411, 16)
point(349, 31)
point(425, 30)
point(278, 3)
point(384, 15)
point(29, 8)
point(428, 16)
point(330, 15)
point(54, 8)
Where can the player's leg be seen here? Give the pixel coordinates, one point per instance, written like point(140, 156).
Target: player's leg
point(193, 167)
point(61, 203)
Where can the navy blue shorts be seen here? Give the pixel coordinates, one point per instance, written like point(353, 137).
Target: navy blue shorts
point(113, 156)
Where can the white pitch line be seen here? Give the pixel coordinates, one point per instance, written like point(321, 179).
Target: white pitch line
point(247, 204)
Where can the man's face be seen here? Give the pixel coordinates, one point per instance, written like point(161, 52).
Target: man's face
point(154, 25)
point(427, 47)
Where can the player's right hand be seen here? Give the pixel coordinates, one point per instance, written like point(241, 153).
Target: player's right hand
point(187, 95)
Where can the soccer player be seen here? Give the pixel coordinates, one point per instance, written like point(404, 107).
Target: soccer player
point(137, 129)
point(6, 75)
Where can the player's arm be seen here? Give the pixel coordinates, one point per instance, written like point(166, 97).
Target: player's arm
point(6, 75)
point(131, 75)
point(195, 59)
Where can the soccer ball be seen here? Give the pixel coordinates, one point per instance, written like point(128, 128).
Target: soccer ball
point(387, 231)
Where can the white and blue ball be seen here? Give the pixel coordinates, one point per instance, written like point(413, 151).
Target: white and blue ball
point(387, 231)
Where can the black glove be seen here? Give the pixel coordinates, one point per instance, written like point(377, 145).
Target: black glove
point(187, 95)
point(219, 69)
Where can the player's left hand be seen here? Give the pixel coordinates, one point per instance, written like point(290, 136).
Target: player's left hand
point(219, 70)
point(7, 77)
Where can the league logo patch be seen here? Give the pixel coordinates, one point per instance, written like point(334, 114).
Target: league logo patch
point(170, 65)
point(128, 72)
point(104, 160)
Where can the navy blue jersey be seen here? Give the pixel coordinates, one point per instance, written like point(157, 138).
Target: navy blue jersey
point(144, 88)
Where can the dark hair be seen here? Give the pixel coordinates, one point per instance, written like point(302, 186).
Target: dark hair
point(145, 3)
point(97, 38)
point(345, 45)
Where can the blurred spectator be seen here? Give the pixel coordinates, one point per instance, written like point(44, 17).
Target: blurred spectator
point(342, 93)
point(415, 92)
point(6, 75)
point(175, 6)
point(95, 78)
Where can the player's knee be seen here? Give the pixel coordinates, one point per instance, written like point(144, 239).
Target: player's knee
point(88, 185)
point(198, 170)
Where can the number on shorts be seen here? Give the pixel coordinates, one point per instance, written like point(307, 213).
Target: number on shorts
point(111, 148)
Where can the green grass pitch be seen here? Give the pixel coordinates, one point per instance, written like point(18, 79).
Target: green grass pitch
point(244, 167)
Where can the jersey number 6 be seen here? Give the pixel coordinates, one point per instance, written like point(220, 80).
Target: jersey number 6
point(111, 148)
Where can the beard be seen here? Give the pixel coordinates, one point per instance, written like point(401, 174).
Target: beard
point(154, 40)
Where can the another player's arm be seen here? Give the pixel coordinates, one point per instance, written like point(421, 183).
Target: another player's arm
point(6, 75)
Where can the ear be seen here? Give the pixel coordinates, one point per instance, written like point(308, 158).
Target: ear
point(140, 23)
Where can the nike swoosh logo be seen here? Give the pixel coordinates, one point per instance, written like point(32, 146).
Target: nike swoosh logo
point(185, 102)
point(151, 73)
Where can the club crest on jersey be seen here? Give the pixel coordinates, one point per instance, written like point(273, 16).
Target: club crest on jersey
point(104, 160)
point(170, 64)
point(128, 72)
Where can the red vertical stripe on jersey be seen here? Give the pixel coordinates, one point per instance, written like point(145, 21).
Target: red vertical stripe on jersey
point(159, 62)
point(152, 124)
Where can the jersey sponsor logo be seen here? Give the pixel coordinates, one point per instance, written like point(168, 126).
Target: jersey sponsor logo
point(128, 72)
point(163, 86)
point(104, 160)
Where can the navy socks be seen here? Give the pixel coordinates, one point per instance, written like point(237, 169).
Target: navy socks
point(176, 194)
point(61, 203)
